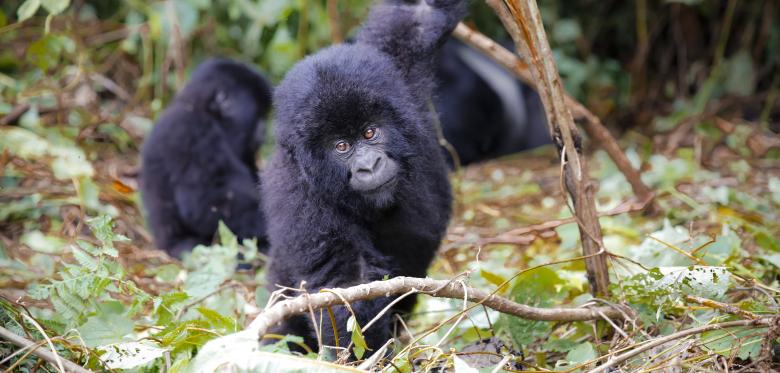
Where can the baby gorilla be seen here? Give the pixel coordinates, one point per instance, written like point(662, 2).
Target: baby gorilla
point(198, 164)
point(357, 188)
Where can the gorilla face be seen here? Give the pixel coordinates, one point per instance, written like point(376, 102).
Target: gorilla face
point(372, 172)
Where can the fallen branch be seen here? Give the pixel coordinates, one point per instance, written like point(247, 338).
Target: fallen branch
point(591, 123)
point(41, 352)
point(436, 288)
point(648, 345)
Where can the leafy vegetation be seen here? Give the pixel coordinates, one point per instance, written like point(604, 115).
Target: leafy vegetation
point(82, 82)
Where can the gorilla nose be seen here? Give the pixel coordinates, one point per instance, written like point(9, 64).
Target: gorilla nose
point(369, 165)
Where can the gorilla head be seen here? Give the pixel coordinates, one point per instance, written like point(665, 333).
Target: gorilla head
point(236, 96)
point(357, 136)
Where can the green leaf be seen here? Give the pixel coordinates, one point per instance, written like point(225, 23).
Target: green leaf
point(217, 320)
point(462, 366)
point(103, 229)
point(538, 287)
point(55, 7)
point(205, 280)
point(492, 277)
point(745, 342)
point(38, 291)
point(566, 30)
point(130, 355)
point(226, 237)
point(28, 9)
point(105, 329)
point(240, 352)
point(357, 337)
point(85, 260)
point(582, 353)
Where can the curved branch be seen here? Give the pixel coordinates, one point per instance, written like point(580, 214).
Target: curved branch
point(436, 288)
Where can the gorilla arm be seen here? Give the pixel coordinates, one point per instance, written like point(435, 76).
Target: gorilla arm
point(331, 255)
point(410, 32)
point(216, 185)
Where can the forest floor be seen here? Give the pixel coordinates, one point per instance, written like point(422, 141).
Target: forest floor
point(713, 235)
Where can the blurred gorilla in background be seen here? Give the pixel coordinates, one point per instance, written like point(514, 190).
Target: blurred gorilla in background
point(198, 164)
point(357, 188)
point(485, 112)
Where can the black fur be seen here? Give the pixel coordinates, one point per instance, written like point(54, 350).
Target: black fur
point(322, 231)
point(198, 164)
point(484, 111)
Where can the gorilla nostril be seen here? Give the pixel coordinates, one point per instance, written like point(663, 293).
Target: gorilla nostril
point(377, 164)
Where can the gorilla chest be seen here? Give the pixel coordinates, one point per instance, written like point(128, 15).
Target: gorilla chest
point(411, 244)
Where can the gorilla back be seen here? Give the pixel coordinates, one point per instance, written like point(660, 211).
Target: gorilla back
point(198, 163)
point(357, 188)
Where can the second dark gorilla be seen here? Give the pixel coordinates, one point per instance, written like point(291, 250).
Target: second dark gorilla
point(485, 112)
point(198, 163)
point(357, 188)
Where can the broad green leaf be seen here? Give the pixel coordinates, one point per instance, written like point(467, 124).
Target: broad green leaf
point(227, 324)
point(37, 241)
point(240, 352)
point(566, 30)
point(538, 287)
point(205, 280)
point(740, 75)
point(28, 9)
point(774, 189)
point(357, 337)
point(745, 342)
point(130, 355)
point(581, 353)
point(226, 237)
point(461, 366)
point(492, 277)
point(105, 329)
point(55, 7)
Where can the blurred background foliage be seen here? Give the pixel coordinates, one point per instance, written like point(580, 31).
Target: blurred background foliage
point(627, 60)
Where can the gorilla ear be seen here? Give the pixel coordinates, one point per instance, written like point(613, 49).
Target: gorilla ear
point(218, 103)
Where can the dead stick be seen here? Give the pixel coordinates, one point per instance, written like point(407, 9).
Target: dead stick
point(40, 351)
point(14, 114)
point(727, 308)
point(524, 24)
point(763, 322)
point(436, 288)
point(591, 123)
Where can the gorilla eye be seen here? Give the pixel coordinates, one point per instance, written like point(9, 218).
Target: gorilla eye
point(342, 146)
point(369, 133)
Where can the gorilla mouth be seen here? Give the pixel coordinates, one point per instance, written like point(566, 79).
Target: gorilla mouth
point(385, 185)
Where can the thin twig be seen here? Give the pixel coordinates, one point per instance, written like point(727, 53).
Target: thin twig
point(727, 308)
point(44, 354)
point(762, 322)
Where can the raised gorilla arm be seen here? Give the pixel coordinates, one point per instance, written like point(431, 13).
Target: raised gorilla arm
point(411, 32)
